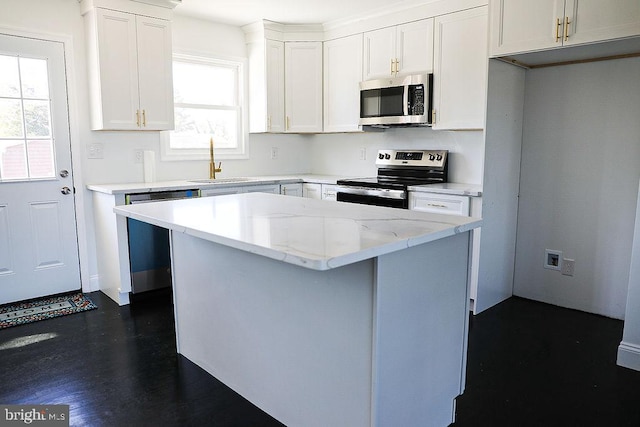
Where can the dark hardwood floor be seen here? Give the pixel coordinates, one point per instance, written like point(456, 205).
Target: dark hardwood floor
point(530, 364)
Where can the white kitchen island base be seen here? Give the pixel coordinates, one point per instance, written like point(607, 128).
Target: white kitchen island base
point(379, 342)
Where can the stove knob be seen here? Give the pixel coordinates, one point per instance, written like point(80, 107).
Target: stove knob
point(387, 156)
point(381, 156)
point(432, 157)
point(439, 157)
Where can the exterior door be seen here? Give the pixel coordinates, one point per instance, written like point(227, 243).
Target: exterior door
point(38, 238)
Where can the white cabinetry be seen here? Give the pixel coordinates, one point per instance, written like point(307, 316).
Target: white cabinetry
point(342, 75)
point(399, 50)
point(455, 205)
point(285, 83)
point(294, 189)
point(219, 191)
point(303, 86)
point(519, 26)
point(130, 71)
point(460, 70)
point(319, 191)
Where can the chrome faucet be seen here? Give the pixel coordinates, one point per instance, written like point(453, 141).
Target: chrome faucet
point(212, 163)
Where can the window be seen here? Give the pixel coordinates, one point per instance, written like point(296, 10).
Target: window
point(209, 102)
point(26, 141)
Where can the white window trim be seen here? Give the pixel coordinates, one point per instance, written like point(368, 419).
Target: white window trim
point(242, 151)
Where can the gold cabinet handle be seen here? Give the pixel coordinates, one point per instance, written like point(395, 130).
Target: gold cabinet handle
point(566, 28)
point(144, 118)
point(433, 117)
point(138, 118)
point(392, 61)
point(288, 123)
point(397, 66)
point(558, 24)
point(269, 122)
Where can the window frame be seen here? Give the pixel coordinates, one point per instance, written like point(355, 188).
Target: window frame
point(241, 151)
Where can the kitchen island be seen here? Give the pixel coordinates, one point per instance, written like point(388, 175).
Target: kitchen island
point(321, 313)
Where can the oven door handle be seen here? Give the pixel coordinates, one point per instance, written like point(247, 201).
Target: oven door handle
point(373, 192)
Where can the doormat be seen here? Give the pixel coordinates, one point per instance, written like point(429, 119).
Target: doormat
point(45, 308)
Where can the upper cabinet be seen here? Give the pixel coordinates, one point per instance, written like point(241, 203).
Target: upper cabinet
point(303, 86)
point(398, 50)
point(130, 71)
point(519, 26)
point(460, 70)
point(342, 75)
point(285, 81)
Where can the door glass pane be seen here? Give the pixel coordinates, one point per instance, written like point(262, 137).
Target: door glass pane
point(37, 119)
point(9, 79)
point(25, 107)
point(40, 154)
point(11, 119)
point(195, 126)
point(13, 160)
point(33, 74)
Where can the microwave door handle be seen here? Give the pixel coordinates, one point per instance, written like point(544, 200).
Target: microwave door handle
point(405, 100)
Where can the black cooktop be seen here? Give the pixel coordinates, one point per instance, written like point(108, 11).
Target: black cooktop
point(400, 183)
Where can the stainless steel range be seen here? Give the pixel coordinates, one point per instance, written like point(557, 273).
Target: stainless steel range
point(397, 170)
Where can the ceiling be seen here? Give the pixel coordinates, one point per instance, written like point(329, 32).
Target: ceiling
point(242, 12)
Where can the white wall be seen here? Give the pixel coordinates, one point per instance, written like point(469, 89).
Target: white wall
point(579, 183)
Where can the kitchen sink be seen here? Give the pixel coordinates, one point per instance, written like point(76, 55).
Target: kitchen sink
point(224, 180)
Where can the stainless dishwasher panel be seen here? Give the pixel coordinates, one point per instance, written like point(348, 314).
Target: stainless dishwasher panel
point(149, 253)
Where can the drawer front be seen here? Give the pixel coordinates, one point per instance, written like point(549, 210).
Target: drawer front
point(439, 203)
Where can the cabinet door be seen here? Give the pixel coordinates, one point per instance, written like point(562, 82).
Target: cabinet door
point(303, 87)
point(274, 69)
point(342, 74)
point(329, 192)
point(115, 87)
point(291, 190)
point(595, 20)
point(312, 190)
point(155, 77)
point(379, 53)
point(460, 69)
point(525, 25)
point(414, 51)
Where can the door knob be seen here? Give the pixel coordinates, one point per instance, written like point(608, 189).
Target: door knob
point(64, 173)
point(65, 190)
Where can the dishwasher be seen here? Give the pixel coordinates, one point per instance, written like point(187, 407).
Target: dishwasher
point(149, 253)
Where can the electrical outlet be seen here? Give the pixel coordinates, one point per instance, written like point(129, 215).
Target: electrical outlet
point(138, 156)
point(568, 266)
point(95, 151)
point(274, 152)
point(552, 259)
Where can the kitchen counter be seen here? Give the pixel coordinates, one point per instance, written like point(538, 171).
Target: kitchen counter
point(318, 312)
point(310, 233)
point(145, 187)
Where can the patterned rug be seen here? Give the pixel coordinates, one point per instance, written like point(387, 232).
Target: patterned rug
point(45, 308)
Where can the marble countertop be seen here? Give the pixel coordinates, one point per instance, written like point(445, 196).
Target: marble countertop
point(316, 234)
point(146, 187)
point(452, 188)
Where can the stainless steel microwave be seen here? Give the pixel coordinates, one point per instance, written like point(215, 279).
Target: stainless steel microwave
point(399, 101)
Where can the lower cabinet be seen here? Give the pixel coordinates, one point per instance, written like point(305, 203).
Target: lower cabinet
point(291, 189)
point(455, 205)
point(312, 190)
point(270, 188)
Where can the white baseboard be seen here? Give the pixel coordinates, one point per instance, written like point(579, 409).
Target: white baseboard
point(93, 285)
point(629, 355)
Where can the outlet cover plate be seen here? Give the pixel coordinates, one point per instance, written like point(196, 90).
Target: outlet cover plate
point(568, 266)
